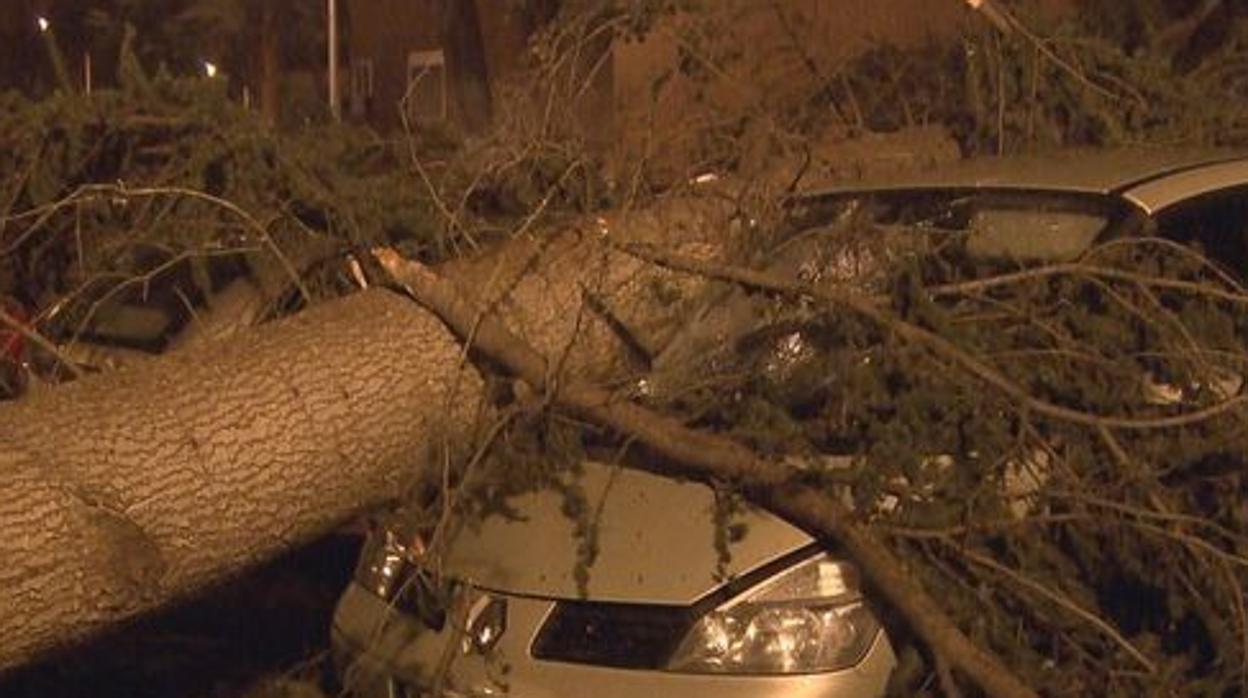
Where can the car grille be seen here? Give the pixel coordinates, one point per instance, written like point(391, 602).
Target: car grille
point(620, 635)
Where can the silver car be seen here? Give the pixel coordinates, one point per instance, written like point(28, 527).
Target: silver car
point(658, 613)
point(671, 604)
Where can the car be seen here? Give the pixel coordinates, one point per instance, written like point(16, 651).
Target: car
point(646, 619)
point(510, 606)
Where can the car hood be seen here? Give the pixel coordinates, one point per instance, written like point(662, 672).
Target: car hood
point(655, 541)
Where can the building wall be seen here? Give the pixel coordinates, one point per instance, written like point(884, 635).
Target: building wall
point(761, 52)
point(777, 38)
point(384, 32)
point(624, 96)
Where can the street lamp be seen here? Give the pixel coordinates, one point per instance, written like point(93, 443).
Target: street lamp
point(45, 28)
point(54, 53)
point(335, 103)
point(992, 13)
point(210, 69)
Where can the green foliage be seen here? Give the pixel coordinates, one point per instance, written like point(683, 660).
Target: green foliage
point(1140, 527)
point(1091, 534)
point(123, 190)
point(1015, 516)
point(176, 35)
point(1099, 76)
point(1097, 554)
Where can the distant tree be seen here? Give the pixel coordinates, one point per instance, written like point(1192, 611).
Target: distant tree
point(18, 45)
point(465, 47)
point(254, 41)
point(260, 39)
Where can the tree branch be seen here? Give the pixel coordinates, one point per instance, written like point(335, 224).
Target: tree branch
point(7, 320)
point(868, 308)
point(709, 457)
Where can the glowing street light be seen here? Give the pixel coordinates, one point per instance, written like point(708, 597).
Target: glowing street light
point(54, 53)
point(994, 14)
point(210, 69)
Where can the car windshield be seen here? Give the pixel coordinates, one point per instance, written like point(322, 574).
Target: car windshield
point(859, 242)
point(1028, 226)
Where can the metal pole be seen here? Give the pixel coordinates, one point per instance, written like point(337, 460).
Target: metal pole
point(335, 104)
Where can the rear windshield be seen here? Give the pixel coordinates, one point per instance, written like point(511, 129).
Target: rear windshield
point(860, 242)
point(995, 224)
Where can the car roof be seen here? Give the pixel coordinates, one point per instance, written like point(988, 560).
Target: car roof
point(1151, 177)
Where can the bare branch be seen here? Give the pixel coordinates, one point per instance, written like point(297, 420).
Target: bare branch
point(870, 308)
point(710, 457)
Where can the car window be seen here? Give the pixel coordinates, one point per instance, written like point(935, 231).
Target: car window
point(859, 240)
point(1032, 235)
point(1216, 224)
point(801, 359)
point(1018, 225)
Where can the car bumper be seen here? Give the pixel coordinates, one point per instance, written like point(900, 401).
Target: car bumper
point(384, 653)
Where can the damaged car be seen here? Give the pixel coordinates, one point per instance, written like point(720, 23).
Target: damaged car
point(671, 606)
point(659, 612)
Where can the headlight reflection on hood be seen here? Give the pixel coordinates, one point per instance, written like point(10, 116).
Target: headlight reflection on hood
point(811, 618)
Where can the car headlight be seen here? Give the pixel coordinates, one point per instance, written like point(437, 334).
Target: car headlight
point(809, 618)
point(386, 562)
point(390, 567)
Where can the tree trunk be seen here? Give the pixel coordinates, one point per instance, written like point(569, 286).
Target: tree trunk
point(127, 490)
point(540, 285)
point(133, 488)
point(468, 68)
point(270, 64)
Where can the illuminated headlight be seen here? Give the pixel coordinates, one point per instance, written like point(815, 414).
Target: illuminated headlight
point(386, 563)
point(810, 618)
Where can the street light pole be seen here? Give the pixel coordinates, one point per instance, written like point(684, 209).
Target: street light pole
point(335, 104)
point(54, 53)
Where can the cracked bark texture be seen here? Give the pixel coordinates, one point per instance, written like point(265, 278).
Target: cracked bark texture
point(568, 294)
point(132, 488)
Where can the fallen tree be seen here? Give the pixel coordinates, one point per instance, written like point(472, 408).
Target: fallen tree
point(116, 497)
point(137, 488)
point(133, 488)
point(711, 458)
point(1021, 490)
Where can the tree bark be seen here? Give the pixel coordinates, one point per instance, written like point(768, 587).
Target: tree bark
point(270, 49)
point(468, 67)
point(539, 286)
point(127, 490)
